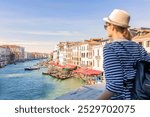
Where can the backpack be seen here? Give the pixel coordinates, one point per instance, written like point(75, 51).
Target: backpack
point(141, 82)
point(141, 87)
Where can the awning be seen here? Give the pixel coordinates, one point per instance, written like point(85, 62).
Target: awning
point(87, 71)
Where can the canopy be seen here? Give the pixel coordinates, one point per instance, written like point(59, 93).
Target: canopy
point(87, 71)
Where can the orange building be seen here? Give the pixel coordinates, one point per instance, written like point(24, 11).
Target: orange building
point(143, 38)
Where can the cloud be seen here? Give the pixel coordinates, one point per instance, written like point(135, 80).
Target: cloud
point(32, 46)
point(30, 43)
point(46, 33)
point(45, 20)
point(51, 33)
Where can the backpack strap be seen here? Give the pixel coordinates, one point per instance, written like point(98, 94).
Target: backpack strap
point(130, 53)
point(125, 82)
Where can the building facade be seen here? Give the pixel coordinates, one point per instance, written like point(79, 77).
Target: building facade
point(4, 56)
point(86, 54)
point(143, 38)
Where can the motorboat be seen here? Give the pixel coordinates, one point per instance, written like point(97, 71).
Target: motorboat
point(32, 68)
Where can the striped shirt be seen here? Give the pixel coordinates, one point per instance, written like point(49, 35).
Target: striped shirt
point(118, 66)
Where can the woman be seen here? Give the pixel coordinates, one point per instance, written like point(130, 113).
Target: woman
point(118, 63)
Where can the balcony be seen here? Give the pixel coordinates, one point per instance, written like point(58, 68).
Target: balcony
point(97, 57)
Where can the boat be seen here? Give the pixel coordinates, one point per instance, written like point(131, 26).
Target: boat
point(45, 73)
point(64, 77)
point(32, 68)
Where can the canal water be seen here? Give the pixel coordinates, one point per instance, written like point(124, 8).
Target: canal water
point(18, 84)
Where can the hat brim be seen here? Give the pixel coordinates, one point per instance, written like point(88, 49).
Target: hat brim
point(106, 19)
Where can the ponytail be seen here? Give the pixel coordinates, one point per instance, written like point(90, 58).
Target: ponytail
point(125, 31)
point(127, 34)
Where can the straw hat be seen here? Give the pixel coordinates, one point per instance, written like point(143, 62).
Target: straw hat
point(118, 17)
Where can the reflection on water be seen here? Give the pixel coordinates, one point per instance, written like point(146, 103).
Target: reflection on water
point(16, 83)
point(13, 75)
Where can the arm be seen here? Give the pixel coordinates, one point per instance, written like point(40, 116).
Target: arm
point(106, 95)
point(113, 74)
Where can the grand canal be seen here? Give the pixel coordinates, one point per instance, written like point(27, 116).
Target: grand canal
point(18, 84)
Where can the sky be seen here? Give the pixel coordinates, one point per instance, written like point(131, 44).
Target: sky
point(38, 25)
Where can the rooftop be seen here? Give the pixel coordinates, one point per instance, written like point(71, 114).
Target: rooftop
point(146, 36)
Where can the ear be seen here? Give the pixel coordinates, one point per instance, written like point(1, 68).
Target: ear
point(112, 28)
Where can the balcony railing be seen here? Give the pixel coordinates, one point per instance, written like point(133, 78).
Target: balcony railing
point(97, 57)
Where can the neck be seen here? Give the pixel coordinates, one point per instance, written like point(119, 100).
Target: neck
point(118, 36)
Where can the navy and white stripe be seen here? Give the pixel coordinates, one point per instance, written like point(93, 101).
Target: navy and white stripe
point(115, 74)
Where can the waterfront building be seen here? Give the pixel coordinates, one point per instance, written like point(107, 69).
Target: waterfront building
point(76, 53)
point(35, 55)
point(50, 56)
point(69, 52)
point(139, 31)
point(59, 54)
point(143, 37)
point(8, 55)
point(85, 61)
point(21, 52)
point(62, 53)
point(144, 41)
point(65, 52)
point(28, 56)
point(5, 55)
point(55, 54)
point(17, 52)
point(45, 55)
point(79, 53)
point(2, 56)
point(87, 50)
point(97, 55)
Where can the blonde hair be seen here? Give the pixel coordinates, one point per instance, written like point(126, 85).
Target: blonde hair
point(126, 33)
